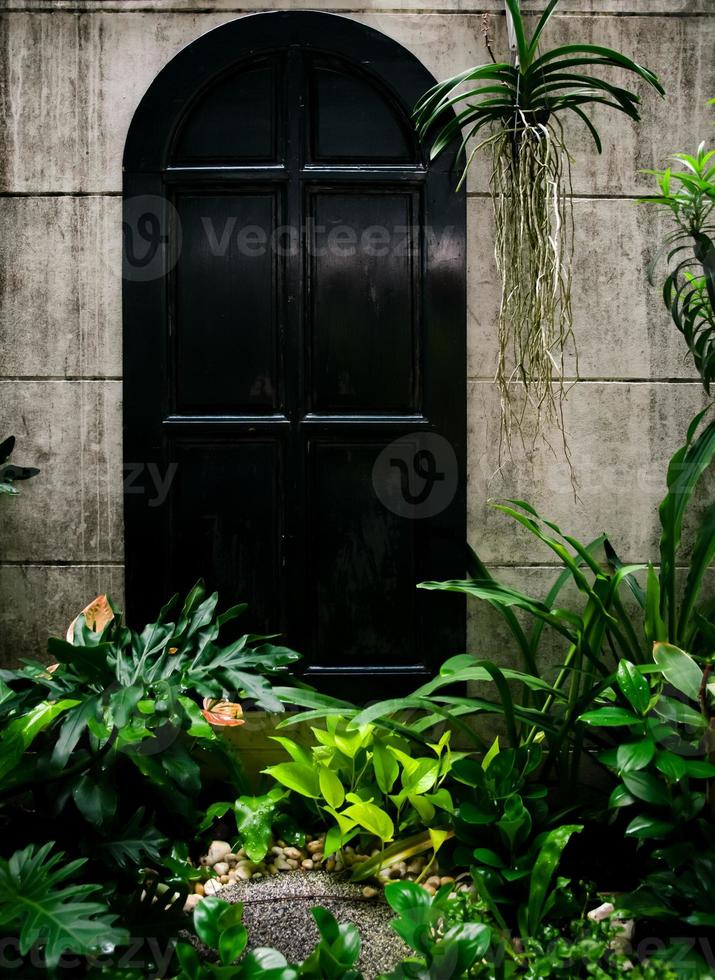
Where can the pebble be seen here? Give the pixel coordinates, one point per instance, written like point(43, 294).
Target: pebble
point(433, 881)
point(446, 880)
point(292, 864)
point(307, 865)
point(293, 853)
point(430, 889)
point(330, 864)
point(243, 873)
point(315, 845)
point(198, 889)
point(212, 887)
point(221, 868)
point(218, 851)
point(224, 879)
point(602, 912)
point(369, 892)
point(191, 902)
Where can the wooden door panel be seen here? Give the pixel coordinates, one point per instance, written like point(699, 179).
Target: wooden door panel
point(363, 313)
point(236, 121)
point(371, 130)
point(227, 522)
point(227, 302)
point(362, 586)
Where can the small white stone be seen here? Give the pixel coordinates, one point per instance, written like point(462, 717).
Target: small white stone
point(315, 845)
point(191, 902)
point(369, 892)
point(243, 874)
point(277, 850)
point(218, 851)
point(307, 865)
point(212, 886)
point(293, 853)
point(221, 867)
point(602, 912)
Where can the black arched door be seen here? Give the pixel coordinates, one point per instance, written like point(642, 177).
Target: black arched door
point(294, 346)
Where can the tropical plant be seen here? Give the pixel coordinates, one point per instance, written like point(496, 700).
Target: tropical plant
point(369, 782)
point(107, 750)
point(595, 638)
point(9, 473)
point(256, 817)
point(220, 926)
point(45, 910)
point(522, 107)
point(663, 771)
point(689, 289)
point(444, 950)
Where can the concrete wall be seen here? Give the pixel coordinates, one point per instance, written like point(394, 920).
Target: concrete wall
point(71, 75)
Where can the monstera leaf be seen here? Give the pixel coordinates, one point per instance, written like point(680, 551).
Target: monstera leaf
point(45, 909)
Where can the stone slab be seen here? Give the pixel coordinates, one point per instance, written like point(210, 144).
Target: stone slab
point(39, 601)
point(71, 511)
point(621, 436)
point(95, 66)
point(60, 286)
point(621, 326)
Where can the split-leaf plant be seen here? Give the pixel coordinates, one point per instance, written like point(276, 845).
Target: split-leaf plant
point(106, 750)
point(518, 111)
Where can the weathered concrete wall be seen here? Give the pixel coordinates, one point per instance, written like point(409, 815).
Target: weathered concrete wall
point(71, 74)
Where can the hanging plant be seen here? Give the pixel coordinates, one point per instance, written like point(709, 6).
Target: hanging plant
point(519, 111)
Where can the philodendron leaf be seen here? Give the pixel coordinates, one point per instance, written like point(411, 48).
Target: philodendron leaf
point(372, 819)
point(296, 776)
point(254, 821)
point(39, 901)
point(331, 787)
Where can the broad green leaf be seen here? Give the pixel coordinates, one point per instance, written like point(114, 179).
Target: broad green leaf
point(373, 819)
point(386, 767)
point(679, 669)
point(331, 787)
point(671, 765)
point(297, 776)
point(635, 755)
point(484, 856)
point(609, 717)
point(647, 787)
point(232, 943)
point(645, 828)
point(254, 821)
point(634, 686)
point(620, 797)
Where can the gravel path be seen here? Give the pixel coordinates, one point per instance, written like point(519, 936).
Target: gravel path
point(277, 913)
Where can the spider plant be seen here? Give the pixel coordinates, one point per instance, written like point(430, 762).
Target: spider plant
point(518, 110)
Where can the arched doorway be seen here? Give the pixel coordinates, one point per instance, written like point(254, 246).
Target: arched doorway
point(294, 346)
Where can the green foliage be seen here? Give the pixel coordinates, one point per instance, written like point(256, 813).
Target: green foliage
point(541, 86)
point(255, 819)
point(220, 926)
point(107, 751)
point(45, 909)
point(663, 770)
point(9, 473)
point(518, 110)
point(444, 950)
point(689, 289)
point(368, 781)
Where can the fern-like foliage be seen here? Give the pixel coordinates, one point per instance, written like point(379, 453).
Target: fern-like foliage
point(41, 905)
